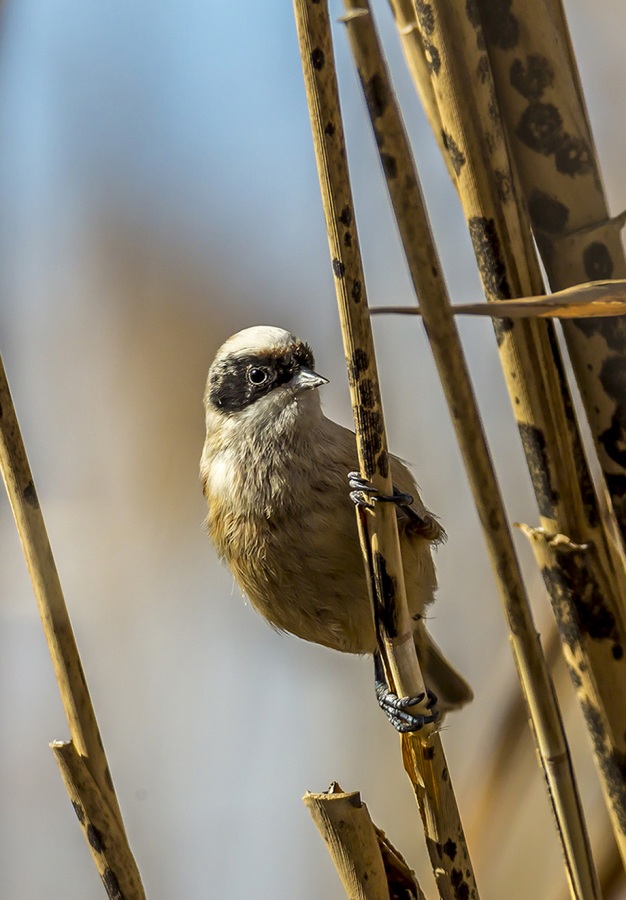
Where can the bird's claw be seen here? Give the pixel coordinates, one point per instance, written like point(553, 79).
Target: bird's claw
point(364, 493)
point(395, 708)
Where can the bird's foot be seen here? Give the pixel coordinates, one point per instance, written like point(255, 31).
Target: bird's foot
point(364, 493)
point(395, 708)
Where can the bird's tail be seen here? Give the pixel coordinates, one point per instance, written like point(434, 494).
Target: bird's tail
point(441, 677)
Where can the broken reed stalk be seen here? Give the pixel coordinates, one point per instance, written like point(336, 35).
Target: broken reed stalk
point(542, 104)
point(425, 270)
point(83, 762)
point(423, 755)
point(582, 570)
point(369, 867)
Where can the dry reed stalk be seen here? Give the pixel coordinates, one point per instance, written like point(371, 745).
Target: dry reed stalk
point(425, 269)
point(111, 851)
point(415, 55)
point(369, 867)
point(592, 300)
point(581, 568)
point(504, 754)
point(543, 109)
point(423, 754)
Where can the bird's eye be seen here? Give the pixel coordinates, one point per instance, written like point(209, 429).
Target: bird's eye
point(257, 376)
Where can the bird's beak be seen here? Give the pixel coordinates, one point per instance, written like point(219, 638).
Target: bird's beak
point(306, 380)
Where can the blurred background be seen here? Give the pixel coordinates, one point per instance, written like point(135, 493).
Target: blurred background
point(158, 192)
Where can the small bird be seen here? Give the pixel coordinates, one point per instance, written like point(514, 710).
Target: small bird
point(274, 473)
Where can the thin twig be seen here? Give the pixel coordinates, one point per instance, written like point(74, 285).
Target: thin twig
point(421, 253)
point(423, 752)
point(592, 300)
point(86, 744)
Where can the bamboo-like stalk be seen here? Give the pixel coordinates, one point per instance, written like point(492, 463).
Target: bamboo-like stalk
point(369, 867)
point(425, 269)
point(543, 109)
point(86, 740)
point(585, 589)
point(423, 753)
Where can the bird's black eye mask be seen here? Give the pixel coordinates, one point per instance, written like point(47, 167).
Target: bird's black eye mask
point(237, 381)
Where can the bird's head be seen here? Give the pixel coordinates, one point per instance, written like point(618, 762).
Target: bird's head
point(262, 375)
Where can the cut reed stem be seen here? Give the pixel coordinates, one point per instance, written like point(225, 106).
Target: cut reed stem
point(369, 867)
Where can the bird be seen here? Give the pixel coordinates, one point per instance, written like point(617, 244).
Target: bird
point(274, 474)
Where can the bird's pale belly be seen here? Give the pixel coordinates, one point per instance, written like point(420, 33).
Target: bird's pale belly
point(318, 593)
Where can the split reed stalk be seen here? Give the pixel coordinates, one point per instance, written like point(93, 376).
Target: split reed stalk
point(83, 763)
point(582, 572)
point(423, 753)
point(425, 269)
point(543, 109)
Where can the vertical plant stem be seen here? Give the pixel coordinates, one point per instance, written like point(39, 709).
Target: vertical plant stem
point(86, 740)
point(584, 587)
point(543, 109)
point(425, 269)
point(423, 752)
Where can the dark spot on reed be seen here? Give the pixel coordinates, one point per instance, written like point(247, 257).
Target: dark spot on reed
point(30, 495)
point(612, 763)
point(96, 841)
point(489, 256)
point(534, 444)
point(573, 156)
point(502, 326)
point(459, 885)
point(457, 158)
point(425, 16)
point(548, 213)
point(317, 59)
point(433, 59)
point(360, 361)
point(382, 464)
point(385, 602)
point(80, 813)
point(597, 261)
point(532, 77)
point(390, 166)
point(540, 128)
point(500, 26)
point(376, 95)
point(338, 268)
point(111, 885)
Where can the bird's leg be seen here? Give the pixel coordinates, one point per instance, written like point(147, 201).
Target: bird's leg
point(395, 707)
point(364, 493)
